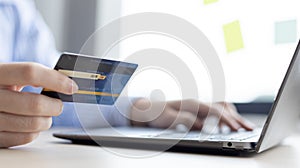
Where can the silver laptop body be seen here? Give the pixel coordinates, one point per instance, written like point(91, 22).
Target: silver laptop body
point(280, 123)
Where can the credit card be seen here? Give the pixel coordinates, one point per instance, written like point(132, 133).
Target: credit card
point(100, 81)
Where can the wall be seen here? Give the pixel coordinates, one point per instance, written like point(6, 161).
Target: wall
point(253, 70)
point(74, 21)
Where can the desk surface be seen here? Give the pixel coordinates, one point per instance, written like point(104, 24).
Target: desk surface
point(48, 151)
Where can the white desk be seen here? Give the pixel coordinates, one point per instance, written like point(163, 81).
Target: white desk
point(48, 151)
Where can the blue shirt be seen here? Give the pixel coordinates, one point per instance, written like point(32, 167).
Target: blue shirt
point(26, 38)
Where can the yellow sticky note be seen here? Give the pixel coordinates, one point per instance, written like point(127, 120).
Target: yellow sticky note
point(233, 36)
point(210, 1)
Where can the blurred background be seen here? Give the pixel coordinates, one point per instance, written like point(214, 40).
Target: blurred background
point(74, 21)
point(254, 39)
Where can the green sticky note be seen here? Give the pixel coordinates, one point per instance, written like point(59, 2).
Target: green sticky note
point(286, 32)
point(233, 36)
point(210, 1)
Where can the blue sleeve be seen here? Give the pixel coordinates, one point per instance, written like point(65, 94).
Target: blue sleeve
point(33, 39)
point(96, 116)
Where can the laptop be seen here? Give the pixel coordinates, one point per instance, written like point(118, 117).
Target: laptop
point(280, 123)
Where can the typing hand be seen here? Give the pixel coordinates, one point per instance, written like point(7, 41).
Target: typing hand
point(24, 115)
point(191, 113)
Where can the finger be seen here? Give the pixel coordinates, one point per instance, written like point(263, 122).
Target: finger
point(16, 123)
point(246, 124)
point(243, 122)
point(9, 139)
point(230, 122)
point(188, 119)
point(202, 110)
point(29, 104)
point(33, 74)
point(11, 87)
point(224, 114)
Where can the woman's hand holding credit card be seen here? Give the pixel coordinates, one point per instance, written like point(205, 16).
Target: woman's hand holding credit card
point(100, 81)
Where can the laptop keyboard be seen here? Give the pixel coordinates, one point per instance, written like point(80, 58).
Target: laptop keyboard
point(239, 136)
